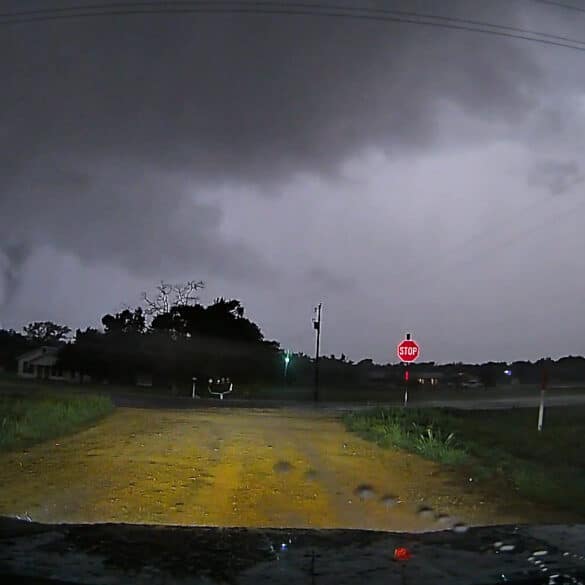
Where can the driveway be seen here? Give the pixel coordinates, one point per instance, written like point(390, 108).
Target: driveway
point(244, 467)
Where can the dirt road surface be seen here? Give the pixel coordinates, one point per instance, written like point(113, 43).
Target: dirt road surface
point(244, 467)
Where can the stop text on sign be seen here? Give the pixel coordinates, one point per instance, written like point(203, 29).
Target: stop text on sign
point(408, 350)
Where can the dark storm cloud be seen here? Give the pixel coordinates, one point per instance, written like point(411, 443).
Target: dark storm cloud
point(147, 221)
point(116, 130)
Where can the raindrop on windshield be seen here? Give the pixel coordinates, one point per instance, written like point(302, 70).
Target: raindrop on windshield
point(460, 528)
point(311, 475)
point(507, 547)
point(425, 512)
point(365, 491)
point(443, 519)
point(282, 467)
point(389, 500)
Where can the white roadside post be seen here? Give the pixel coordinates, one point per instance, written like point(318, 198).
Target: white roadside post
point(194, 389)
point(541, 406)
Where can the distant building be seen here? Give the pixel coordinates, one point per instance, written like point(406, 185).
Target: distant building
point(41, 364)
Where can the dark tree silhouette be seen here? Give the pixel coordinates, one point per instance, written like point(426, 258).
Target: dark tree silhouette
point(224, 319)
point(45, 332)
point(12, 344)
point(125, 321)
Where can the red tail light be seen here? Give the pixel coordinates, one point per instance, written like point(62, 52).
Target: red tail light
point(402, 554)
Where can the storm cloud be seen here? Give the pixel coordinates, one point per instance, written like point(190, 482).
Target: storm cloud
point(169, 146)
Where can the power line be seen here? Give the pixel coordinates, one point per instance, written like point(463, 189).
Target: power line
point(287, 9)
point(280, 5)
point(560, 5)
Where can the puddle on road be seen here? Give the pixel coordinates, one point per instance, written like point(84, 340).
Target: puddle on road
point(233, 467)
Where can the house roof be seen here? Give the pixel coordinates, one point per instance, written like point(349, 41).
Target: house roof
point(33, 353)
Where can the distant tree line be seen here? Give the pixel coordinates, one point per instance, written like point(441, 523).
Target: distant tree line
point(175, 338)
point(184, 341)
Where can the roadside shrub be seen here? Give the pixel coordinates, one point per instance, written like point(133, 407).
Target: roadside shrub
point(413, 430)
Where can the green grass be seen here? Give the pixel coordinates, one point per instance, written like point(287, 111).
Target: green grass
point(25, 420)
point(496, 446)
point(417, 431)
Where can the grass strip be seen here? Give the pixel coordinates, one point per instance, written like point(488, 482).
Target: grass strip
point(547, 467)
point(25, 420)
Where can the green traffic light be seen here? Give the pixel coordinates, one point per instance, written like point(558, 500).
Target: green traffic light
point(286, 359)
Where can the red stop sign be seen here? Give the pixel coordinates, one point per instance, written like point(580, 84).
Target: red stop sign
point(408, 350)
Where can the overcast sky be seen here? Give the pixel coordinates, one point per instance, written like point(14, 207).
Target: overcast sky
point(410, 178)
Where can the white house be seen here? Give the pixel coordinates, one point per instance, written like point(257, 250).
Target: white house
point(41, 364)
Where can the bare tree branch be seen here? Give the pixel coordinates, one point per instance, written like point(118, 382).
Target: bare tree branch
point(170, 295)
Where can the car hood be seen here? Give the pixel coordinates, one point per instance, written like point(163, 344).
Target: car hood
point(126, 553)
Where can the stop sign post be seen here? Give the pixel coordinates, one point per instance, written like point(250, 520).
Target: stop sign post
point(407, 351)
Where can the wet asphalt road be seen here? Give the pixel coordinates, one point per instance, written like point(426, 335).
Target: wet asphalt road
point(462, 399)
point(481, 402)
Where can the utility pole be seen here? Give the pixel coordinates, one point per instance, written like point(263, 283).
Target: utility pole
point(317, 326)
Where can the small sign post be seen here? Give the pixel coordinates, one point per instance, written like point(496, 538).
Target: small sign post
point(407, 351)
